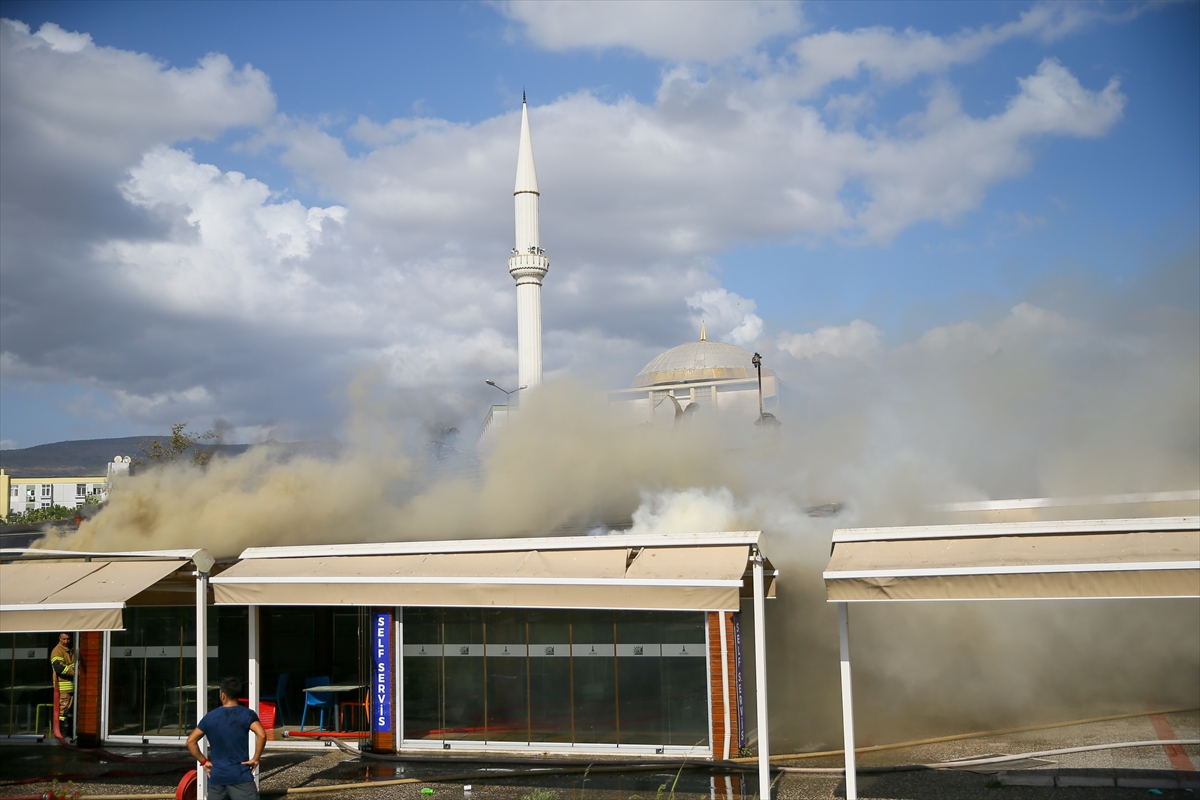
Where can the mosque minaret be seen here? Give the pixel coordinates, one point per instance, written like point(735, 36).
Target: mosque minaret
point(528, 264)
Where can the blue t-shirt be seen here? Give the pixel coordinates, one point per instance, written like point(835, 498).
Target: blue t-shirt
point(226, 729)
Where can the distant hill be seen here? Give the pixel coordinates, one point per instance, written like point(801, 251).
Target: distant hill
point(82, 457)
point(85, 456)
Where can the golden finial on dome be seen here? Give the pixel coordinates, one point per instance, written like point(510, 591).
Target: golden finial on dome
point(703, 338)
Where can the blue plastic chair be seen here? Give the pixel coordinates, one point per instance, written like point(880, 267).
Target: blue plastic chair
point(322, 700)
point(279, 699)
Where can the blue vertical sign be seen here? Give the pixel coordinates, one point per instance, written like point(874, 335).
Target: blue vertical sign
point(381, 704)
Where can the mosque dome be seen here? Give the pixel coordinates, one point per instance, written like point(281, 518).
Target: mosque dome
point(698, 361)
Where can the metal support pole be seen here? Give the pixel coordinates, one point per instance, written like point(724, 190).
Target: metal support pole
point(254, 690)
point(398, 691)
point(760, 678)
point(847, 702)
point(77, 686)
point(105, 683)
point(725, 689)
point(201, 673)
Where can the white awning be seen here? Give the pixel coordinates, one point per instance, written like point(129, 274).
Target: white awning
point(1128, 558)
point(67, 591)
point(691, 572)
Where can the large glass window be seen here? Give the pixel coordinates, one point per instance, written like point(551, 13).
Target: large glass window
point(308, 646)
point(507, 675)
point(26, 695)
point(152, 667)
point(593, 662)
point(519, 675)
point(550, 709)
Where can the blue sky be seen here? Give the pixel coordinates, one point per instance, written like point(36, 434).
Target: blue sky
point(722, 164)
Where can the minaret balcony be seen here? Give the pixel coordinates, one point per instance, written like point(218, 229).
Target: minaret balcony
point(528, 267)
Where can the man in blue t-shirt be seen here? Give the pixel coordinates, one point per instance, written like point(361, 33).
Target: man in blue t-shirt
point(229, 777)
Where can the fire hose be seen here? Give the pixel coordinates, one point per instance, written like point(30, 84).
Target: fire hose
point(101, 753)
point(714, 766)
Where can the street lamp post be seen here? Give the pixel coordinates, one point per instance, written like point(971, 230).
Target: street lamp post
point(757, 362)
point(507, 394)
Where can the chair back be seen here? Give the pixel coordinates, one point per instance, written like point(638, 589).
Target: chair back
point(281, 687)
point(317, 698)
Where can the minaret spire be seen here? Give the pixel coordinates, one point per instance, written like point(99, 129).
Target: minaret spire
point(528, 264)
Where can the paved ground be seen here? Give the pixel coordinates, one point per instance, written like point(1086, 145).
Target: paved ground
point(1099, 774)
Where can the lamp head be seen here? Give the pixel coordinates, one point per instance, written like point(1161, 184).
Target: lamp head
point(489, 381)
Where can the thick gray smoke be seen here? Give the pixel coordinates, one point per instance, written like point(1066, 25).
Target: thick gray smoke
point(1073, 392)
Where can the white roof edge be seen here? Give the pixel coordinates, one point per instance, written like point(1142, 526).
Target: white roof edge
point(1009, 569)
point(606, 542)
point(1082, 500)
point(60, 606)
point(162, 555)
point(1059, 527)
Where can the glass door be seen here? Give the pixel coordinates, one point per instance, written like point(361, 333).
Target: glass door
point(152, 672)
point(26, 694)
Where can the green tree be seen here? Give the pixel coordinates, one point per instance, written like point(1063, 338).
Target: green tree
point(180, 442)
point(47, 514)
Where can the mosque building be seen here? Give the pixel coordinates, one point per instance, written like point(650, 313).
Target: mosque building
point(703, 376)
point(697, 377)
point(528, 263)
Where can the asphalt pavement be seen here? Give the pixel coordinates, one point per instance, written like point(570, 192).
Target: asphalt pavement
point(1143, 772)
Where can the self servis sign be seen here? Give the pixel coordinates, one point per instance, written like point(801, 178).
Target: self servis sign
point(381, 719)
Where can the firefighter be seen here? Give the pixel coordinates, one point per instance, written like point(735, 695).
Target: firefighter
point(63, 663)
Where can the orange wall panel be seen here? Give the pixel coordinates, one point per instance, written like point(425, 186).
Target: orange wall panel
point(91, 645)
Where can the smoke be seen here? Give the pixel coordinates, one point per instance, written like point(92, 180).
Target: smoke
point(563, 461)
point(1073, 391)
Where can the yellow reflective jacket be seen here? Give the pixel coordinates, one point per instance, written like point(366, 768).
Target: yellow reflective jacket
point(66, 677)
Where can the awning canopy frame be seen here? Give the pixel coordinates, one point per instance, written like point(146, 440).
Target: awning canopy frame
point(68, 590)
point(691, 572)
point(1070, 559)
point(686, 572)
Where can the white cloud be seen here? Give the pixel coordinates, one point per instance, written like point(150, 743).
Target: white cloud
point(235, 251)
point(8, 444)
point(728, 316)
point(63, 41)
point(858, 340)
point(187, 275)
point(681, 30)
point(946, 172)
point(897, 56)
point(175, 404)
point(65, 97)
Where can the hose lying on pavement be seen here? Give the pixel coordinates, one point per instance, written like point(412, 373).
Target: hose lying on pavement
point(105, 755)
point(716, 766)
point(976, 735)
point(978, 762)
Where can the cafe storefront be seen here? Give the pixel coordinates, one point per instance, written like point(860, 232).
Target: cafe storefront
point(618, 644)
point(615, 644)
